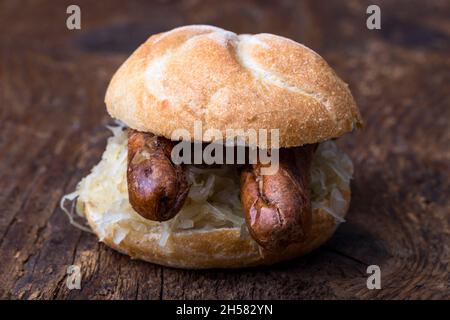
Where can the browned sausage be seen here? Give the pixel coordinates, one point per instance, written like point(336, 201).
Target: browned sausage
point(277, 207)
point(157, 188)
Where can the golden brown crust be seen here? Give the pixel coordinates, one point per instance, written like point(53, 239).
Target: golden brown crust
point(231, 81)
point(219, 248)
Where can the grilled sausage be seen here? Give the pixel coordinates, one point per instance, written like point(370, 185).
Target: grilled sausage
point(277, 207)
point(157, 188)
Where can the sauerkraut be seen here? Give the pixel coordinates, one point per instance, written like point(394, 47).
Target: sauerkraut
point(213, 200)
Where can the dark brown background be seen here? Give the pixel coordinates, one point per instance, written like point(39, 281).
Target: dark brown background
point(52, 132)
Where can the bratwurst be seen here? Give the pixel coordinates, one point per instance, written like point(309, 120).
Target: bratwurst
point(157, 188)
point(277, 207)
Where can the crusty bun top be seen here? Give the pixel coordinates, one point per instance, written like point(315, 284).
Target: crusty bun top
point(230, 81)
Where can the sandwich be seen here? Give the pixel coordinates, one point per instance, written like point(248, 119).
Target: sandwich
point(188, 181)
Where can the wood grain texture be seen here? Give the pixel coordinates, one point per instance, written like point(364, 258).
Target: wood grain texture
point(52, 118)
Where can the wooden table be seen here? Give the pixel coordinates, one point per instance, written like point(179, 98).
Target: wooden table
point(52, 131)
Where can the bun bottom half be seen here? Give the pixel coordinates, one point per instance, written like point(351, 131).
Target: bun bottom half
point(218, 248)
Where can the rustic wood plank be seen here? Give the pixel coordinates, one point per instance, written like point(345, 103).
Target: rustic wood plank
point(52, 83)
